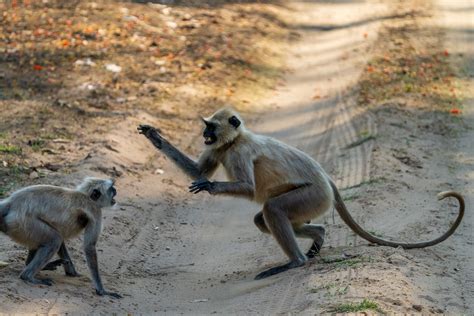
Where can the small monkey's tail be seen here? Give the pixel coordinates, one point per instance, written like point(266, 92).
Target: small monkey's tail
point(349, 220)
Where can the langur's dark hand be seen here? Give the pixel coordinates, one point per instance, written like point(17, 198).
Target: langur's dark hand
point(147, 129)
point(202, 185)
point(151, 133)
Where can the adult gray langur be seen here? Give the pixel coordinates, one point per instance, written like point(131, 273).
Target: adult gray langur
point(43, 217)
point(292, 186)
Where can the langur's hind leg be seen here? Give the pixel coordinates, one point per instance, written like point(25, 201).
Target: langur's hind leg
point(50, 266)
point(40, 257)
point(314, 232)
point(280, 226)
point(290, 209)
point(69, 268)
point(260, 223)
point(311, 231)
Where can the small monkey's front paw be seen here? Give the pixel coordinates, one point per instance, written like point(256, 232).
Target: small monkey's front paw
point(112, 294)
point(44, 281)
point(202, 185)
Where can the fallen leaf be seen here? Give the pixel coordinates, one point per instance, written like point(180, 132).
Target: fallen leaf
point(37, 67)
point(455, 111)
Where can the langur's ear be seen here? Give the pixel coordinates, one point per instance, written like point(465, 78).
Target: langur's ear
point(95, 195)
point(206, 122)
point(234, 121)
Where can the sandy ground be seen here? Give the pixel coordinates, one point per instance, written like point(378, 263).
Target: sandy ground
point(170, 252)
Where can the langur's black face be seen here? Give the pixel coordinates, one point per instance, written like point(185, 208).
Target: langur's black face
point(112, 193)
point(104, 193)
point(209, 133)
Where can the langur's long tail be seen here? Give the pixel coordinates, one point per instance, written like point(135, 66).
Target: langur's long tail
point(349, 220)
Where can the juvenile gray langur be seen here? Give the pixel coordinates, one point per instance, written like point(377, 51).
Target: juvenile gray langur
point(43, 217)
point(293, 187)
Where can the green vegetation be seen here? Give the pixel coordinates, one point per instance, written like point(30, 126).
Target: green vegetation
point(357, 307)
point(349, 262)
point(10, 177)
point(37, 144)
point(3, 191)
point(351, 197)
point(10, 149)
point(377, 234)
point(344, 262)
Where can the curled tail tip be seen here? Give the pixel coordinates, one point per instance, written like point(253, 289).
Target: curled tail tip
point(445, 194)
point(442, 195)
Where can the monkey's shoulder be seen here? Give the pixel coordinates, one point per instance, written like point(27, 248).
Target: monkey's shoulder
point(53, 197)
point(40, 188)
point(261, 146)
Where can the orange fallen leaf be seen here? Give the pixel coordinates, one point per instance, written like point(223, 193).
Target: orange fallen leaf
point(370, 69)
point(89, 30)
point(455, 111)
point(37, 67)
point(38, 32)
point(65, 43)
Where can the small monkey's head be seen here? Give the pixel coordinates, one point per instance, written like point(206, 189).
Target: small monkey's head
point(101, 191)
point(222, 127)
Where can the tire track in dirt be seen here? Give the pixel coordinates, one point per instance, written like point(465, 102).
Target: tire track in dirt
point(456, 19)
point(337, 116)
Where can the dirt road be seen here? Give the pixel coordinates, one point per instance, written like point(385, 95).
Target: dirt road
point(170, 252)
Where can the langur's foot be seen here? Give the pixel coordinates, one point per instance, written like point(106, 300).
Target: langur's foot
point(279, 269)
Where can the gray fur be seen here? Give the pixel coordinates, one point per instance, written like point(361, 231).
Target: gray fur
point(292, 186)
point(42, 217)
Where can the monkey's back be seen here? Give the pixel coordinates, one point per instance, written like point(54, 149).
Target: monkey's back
point(279, 167)
point(53, 206)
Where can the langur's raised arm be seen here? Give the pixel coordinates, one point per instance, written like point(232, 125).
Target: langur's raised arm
point(189, 166)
